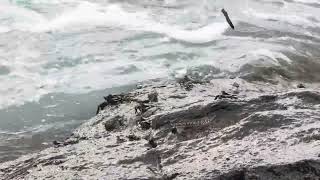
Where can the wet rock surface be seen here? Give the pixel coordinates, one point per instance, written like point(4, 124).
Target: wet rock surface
point(222, 129)
point(305, 169)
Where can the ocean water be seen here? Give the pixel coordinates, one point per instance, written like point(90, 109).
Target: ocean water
point(58, 58)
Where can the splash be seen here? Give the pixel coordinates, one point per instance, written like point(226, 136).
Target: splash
point(90, 15)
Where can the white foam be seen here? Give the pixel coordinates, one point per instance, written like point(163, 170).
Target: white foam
point(20, 18)
point(272, 55)
point(29, 81)
point(89, 15)
point(307, 1)
point(4, 29)
point(283, 17)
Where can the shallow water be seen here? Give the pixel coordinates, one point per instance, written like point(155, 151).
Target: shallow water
point(59, 57)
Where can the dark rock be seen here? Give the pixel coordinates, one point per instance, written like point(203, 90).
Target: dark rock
point(228, 159)
point(153, 97)
point(234, 175)
point(152, 143)
point(236, 85)
point(133, 137)
point(57, 143)
point(170, 177)
point(187, 83)
point(174, 130)
point(120, 140)
point(101, 106)
point(141, 108)
point(83, 138)
point(113, 100)
point(139, 86)
point(71, 141)
point(79, 167)
point(224, 95)
point(151, 110)
point(54, 160)
point(97, 136)
point(177, 96)
point(161, 86)
point(301, 86)
point(114, 123)
point(145, 125)
point(305, 169)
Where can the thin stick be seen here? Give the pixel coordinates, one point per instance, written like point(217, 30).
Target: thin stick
point(227, 18)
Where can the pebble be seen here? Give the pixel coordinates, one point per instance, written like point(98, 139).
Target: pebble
point(301, 86)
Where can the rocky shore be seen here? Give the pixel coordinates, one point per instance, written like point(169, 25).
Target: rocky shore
point(222, 129)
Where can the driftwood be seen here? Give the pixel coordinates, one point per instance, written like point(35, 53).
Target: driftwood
point(227, 18)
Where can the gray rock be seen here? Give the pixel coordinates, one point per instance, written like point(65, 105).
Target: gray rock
point(269, 134)
point(114, 123)
point(153, 97)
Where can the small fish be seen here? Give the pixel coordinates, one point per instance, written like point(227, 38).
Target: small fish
point(227, 18)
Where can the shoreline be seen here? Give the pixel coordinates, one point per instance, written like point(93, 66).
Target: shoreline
point(34, 125)
point(209, 130)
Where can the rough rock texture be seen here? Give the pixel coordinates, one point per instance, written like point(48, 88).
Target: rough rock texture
point(249, 131)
